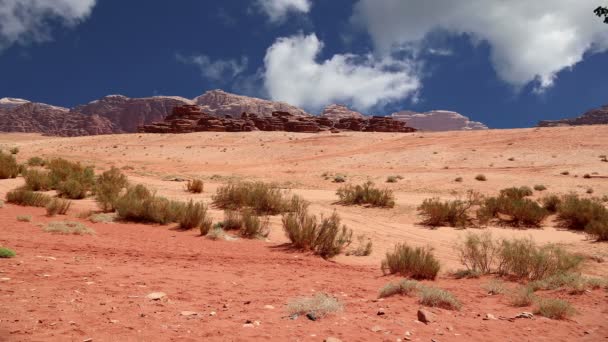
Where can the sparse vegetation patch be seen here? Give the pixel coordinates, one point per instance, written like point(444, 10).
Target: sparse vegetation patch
point(366, 194)
point(7, 253)
point(319, 306)
point(416, 263)
point(68, 227)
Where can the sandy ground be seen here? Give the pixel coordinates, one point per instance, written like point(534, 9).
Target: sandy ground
point(125, 262)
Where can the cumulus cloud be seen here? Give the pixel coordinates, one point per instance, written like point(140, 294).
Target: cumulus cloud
point(529, 40)
point(293, 74)
point(218, 70)
point(24, 21)
point(277, 10)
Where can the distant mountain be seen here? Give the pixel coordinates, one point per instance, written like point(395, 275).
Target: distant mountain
point(438, 120)
point(335, 112)
point(598, 116)
point(221, 103)
point(29, 117)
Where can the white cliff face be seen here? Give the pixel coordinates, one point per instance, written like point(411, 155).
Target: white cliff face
point(336, 112)
point(221, 103)
point(9, 102)
point(438, 120)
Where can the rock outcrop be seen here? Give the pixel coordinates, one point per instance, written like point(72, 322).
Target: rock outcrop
point(438, 120)
point(188, 119)
point(220, 103)
point(30, 117)
point(335, 112)
point(127, 114)
point(597, 116)
point(9, 102)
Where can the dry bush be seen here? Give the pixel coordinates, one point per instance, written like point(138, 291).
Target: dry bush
point(24, 218)
point(478, 252)
point(494, 287)
point(523, 259)
point(58, 206)
point(540, 187)
point(551, 203)
point(460, 274)
point(392, 179)
point(102, 218)
point(68, 227)
point(555, 308)
point(366, 194)
point(522, 296)
point(8, 166)
point(339, 179)
point(138, 204)
point(364, 248)
point(27, 198)
point(215, 233)
point(232, 220)
point(254, 227)
point(36, 161)
point(481, 178)
point(516, 193)
point(108, 187)
point(193, 215)
point(70, 179)
point(511, 207)
point(320, 305)
point(574, 282)
point(195, 186)
point(584, 214)
point(263, 198)
point(417, 263)
point(206, 226)
point(326, 239)
point(448, 213)
point(7, 253)
point(36, 180)
point(403, 287)
point(14, 150)
point(434, 297)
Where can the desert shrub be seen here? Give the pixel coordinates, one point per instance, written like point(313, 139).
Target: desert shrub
point(565, 173)
point(458, 179)
point(232, 220)
point(320, 305)
point(68, 227)
point(8, 166)
point(584, 214)
point(392, 179)
point(254, 227)
point(551, 203)
point(24, 218)
point(460, 274)
point(7, 253)
point(574, 282)
point(403, 287)
point(417, 263)
point(586, 176)
point(214, 233)
point(439, 213)
point(58, 206)
point(72, 189)
point(478, 252)
point(540, 187)
point(494, 287)
point(70, 179)
point(516, 193)
point(108, 187)
point(555, 308)
point(27, 198)
point(14, 150)
point(481, 178)
point(512, 209)
point(195, 186)
point(193, 215)
point(523, 259)
point(326, 239)
point(263, 198)
point(36, 180)
point(366, 194)
point(339, 179)
point(434, 297)
point(102, 218)
point(138, 204)
point(522, 296)
point(364, 248)
point(36, 161)
point(206, 226)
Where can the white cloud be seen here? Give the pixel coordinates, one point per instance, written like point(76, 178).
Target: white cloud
point(529, 40)
point(277, 10)
point(24, 21)
point(292, 74)
point(219, 70)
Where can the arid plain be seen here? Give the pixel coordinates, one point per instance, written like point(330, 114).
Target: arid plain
point(81, 287)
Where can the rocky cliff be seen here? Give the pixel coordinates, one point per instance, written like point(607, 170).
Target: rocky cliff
point(597, 116)
point(336, 112)
point(438, 120)
point(221, 103)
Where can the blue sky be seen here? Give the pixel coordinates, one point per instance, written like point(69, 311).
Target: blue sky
point(380, 56)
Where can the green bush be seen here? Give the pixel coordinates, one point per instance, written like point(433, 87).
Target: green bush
point(263, 198)
point(37, 180)
point(584, 214)
point(108, 187)
point(516, 193)
point(416, 263)
point(72, 189)
point(513, 209)
point(555, 308)
point(434, 297)
point(403, 287)
point(138, 204)
point(254, 227)
point(8, 166)
point(447, 213)
point(366, 194)
point(193, 215)
point(195, 186)
point(478, 252)
point(7, 253)
point(551, 203)
point(70, 179)
point(58, 206)
point(27, 198)
point(36, 161)
point(326, 239)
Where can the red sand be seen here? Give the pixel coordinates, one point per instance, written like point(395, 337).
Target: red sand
point(71, 288)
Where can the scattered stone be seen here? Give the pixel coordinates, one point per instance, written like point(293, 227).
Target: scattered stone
point(248, 325)
point(381, 312)
point(294, 317)
point(87, 340)
point(311, 316)
point(268, 307)
point(156, 295)
point(527, 315)
point(425, 316)
point(212, 313)
point(189, 313)
point(5, 279)
point(332, 339)
point(376, 328)
point(114, 321)
point(489, 317)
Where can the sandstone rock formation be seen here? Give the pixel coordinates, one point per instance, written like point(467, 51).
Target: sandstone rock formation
point(438, 120)
point(127, 114)
point(188, 118)
point(30, 117)
point(220, 103)
point(335, 112)
point(597, 116)
point(9, 102)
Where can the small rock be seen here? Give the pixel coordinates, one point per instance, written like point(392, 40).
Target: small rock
point(212, 313)
point(376, 328)
point(156, 295)
point(87, 340)
point(268, 307)
point(294, 317)
point(311, 316)
point(407, 333)
point(332, 339)
point(188, 313)
point(114, 321)
point(248, 325)
point(527, 315)
point(489, 317)
point(425, 316)
point(381, 312)
point(5, 279)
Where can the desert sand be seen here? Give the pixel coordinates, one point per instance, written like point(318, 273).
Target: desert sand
point(80, 287)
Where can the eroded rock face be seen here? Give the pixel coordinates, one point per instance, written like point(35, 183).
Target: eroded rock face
point(335, 112)
point(127, 114)
point(33, 117)
point(438, 120)
point(597, 116)
point(9, 102)
point(221, 103)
